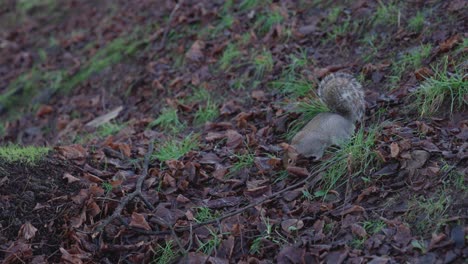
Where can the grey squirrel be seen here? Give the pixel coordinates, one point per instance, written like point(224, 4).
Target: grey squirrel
point(344, 96)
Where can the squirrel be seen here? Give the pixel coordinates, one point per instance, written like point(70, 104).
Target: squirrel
point(344, 96)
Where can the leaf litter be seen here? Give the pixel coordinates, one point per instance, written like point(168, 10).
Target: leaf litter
point(105, 194)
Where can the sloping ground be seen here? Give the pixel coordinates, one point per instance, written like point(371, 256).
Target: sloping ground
point(213, 87)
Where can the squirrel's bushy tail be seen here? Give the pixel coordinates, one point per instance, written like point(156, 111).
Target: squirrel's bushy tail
point(343, 95)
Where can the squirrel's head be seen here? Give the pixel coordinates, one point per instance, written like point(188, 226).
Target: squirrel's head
point(290, 155)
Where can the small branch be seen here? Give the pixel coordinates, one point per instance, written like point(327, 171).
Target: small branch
point(137, 192)
point(168, 25)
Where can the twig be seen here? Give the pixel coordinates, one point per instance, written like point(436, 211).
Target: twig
point(168, 25)
point(131, 196)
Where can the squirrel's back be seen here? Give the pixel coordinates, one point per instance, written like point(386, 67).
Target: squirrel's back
point(343, 94)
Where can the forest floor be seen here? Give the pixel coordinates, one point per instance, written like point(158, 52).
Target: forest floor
point(156, 131)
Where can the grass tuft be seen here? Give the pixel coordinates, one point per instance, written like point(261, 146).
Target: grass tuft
point(206, 113)
point(230, 53)
point(168, 120)
point(29, 154)
point(174, 149)
point(441, 87)
point(355, 157)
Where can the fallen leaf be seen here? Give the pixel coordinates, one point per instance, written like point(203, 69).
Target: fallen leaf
point(450, 43)
point(72, 152)
point(27, 231)
point(358, 230)
point(44, 110)
point(139, 221)
point(292, 225)
point(70, 178)
point(394, 150)
point(99, 121)
point(234, 139)
point(195, 52)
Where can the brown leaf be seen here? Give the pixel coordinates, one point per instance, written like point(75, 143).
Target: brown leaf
point(27, 231)
point(230, 107)
point(259, 95)
point(307, 30)
point(93, 209)
point(139, 221)
point(92, 178)
point(298, 171)
point(358, 230)
point(234, 139)
point(366, 192)
point(195, 52)
point(403, 235)
point(450, 43)
point(290, 254)
point(81, 196)
point(18, 252)
point(72, 152)
point(182, 199)
point(77, 221)
point(212, 136)
point(105, 118)
point(70, 178)
point(337, 257)
point(423, 73)
point(44, 110)
point(394, 150)
point(291, 225)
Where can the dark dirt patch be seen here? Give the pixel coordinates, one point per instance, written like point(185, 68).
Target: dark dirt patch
point(38, 195)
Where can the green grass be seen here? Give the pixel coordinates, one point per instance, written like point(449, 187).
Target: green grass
point(108, 129)
point(357, 243)
point(371, 46)
point(266, 21)
point(168, 121)
point(386, 14)
point(229, 55)
point(243, 161)
point(211, 244)
point(308, 110)
point(263, 63)
point(203, 214)
point(416, 23)
point(25, 6)
point(247, 5)
point(440, 88)
point(111, 54)
point(427, 214)
point(29, 154)
point(107, 186)
point(165, 254)
point(294, 85)
point(292, 82)
point(356, 157)
point(174, 149)
point(373, 226)
point(409, 61)
point(333, 15)
point(340, 30)
point(269, 233)
point(205, 113)
point(39, 83)
point(455, 179)
point(199, 94)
